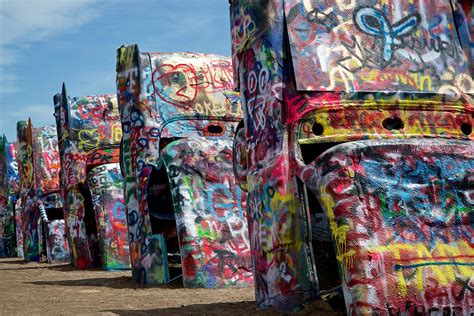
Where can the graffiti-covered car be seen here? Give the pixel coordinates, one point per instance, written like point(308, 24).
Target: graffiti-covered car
point(186, 214)
point(30, 219)
point(41, 219)
point(48, 201)
point(3, 200)
point(357, 131)
point(89, 134)
point(8, 198)
point(13, 196)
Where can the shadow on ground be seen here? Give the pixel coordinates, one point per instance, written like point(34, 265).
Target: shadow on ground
point(12, 261)
point(33, 265)
point(36, 266)
point(241, 308)
point(122, 282)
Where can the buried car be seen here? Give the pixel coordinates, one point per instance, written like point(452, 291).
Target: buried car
point(8, 197)
point(40, 203)
point(186, 214)
point(48, 199)
point(13, 197)
point(357, 131)
point(92, 186)
point(30, 220)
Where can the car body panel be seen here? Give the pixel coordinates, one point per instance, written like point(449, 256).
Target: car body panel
point(208, 207)
point(30, 218)
point(106, 185)
point(90, 133)
point(47, 167)
point(8, 197)
point(299, 102)
point(166, 99)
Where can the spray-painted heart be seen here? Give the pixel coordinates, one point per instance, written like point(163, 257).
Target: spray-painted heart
point(175, 84)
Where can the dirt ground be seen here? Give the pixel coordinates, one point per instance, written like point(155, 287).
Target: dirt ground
point(39, 288)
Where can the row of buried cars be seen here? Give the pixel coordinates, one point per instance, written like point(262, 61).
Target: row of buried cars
point(339, 166)
point(183, 212)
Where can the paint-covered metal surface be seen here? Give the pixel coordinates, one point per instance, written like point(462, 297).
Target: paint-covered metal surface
point(13, 196)
point(282, 46)
point(106, 186)
point(208, 207)
point(38, 168)
point(18, 229)
point(89, 135)
point(171, 102)
point(9, 189)
point(464, 19)
point(382, 46)
point(30, 218)
point(4, 251)
point(401, 217)
point(8, 196)
point(46, 161)
point(56, 242)
point(12, 169)
point(48, 199)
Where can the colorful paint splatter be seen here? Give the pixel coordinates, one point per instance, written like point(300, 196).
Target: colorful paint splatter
point(185, 210)
point(106, 185)
point(40, 202)
point(89, 135)
point(30, 217)
point(8, 197)
point(48, 201)
point(357, 127)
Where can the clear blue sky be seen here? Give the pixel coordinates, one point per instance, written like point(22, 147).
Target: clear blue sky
point(46, 42)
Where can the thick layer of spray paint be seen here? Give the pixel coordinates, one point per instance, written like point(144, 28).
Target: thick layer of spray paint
point(89, 135)
point(30, 219)
point(106, 185)
point(8, 197)
point(313, 74)
point(182, 201)
point(48, 201)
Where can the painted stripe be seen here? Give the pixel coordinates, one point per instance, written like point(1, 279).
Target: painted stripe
point(411, 266)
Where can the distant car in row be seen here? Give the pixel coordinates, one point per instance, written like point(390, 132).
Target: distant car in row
point(41, 205)
point(9, 239)
point(89, 134)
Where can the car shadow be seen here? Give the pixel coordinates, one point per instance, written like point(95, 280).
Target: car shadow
point(121, 282)
point(240, 308)
point(35, 266)
point(12, 261)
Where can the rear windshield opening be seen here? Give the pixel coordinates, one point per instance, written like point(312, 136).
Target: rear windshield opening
point(91, 227)
point(162, 218)
point(310, 152)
